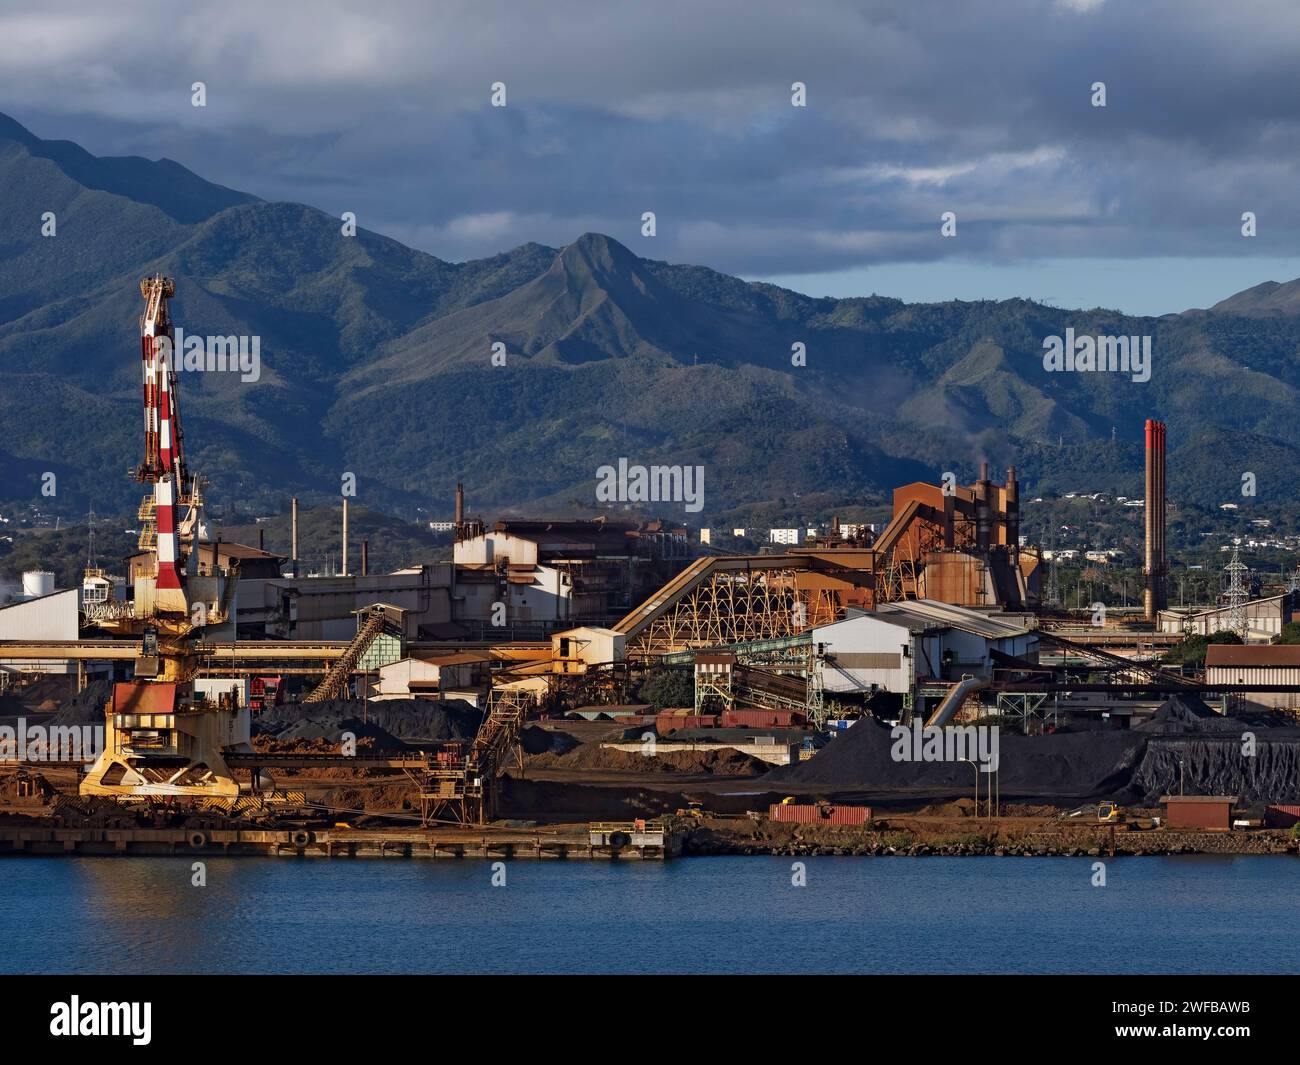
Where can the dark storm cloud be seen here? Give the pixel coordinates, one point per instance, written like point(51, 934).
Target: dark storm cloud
point(684, 109)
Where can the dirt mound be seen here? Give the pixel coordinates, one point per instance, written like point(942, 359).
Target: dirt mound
point(390, 798)
point(266, 744)
point(537, 740)
point(960, 808)
point(1059, 764)
point(725, 761)
point(1214, 765)
point(1187, 713)
point(413, 720)
point(331, 733)
point(86, 707)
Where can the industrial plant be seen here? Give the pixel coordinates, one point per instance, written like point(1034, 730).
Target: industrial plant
point(550, 668)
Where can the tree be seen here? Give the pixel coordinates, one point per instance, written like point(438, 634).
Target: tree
point(1190, 651)
point(668, 687)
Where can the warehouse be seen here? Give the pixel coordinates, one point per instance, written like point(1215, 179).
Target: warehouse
point(901, 643)
point(1264, 619)
point(56, 616)
point(1232, 664)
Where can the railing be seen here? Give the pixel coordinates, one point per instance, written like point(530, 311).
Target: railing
point(337, 677)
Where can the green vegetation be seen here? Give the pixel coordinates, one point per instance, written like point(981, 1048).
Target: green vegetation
point(394, 543)
point(365, 370)
point(1190, 651)
point(667, 687)
point(64, 552)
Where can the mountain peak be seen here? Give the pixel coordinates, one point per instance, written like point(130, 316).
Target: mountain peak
point(1266, 300)
point(600, 252)
point(13, 130)
point(176, 191)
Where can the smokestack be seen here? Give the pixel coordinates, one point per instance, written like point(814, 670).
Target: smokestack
point(460, 504)
point(261, 538)
point(1154, 567)
point(365, 558)
point(1012, 497)
point(293, 538)
point(983, 515)
point(345, 536)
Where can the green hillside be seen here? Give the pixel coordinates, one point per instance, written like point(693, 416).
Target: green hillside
point(377, 361)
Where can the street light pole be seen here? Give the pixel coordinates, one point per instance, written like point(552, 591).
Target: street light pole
point(977, 784)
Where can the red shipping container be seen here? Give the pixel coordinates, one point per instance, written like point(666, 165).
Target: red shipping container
point(761, 719)
point(1281, 816)
point(665, 723)
point(805, 814)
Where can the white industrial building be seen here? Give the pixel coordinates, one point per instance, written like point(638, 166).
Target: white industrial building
point(1264, 619)
point(430, 675)
point(901, 644)
point(324, 608)
point(55, 616)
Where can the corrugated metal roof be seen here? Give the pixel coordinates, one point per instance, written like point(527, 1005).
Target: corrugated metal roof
point(1260, 655)
point(1199, 798)
point(450, 658)
point(931, 614)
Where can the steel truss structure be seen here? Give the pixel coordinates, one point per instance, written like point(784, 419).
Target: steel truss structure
point(459, 785)
point(732, 606)
point(1026, 707)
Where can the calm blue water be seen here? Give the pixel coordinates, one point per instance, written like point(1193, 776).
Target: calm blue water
point(881, 915)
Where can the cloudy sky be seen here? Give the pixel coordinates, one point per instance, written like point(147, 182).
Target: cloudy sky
point(914, 108)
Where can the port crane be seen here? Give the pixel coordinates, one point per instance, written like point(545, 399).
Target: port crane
point(160, 739)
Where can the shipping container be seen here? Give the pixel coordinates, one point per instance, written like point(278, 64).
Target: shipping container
point(1277, 816)
point(666, 723)
point(822, 814)
point(761, 719)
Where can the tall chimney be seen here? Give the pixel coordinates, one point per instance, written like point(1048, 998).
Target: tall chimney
point(983, 515)
point(1012, 497)
point(365, 558)
point(1154, 567)
point(345, 536)
point(261, 538)
point(460, 504)
point(293, 538)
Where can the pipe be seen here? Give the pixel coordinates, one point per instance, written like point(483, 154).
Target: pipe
point(345, 536)
point(293, 537)
point(365, 558)
point(952, 702)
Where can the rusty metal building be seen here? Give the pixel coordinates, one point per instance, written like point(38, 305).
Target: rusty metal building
point(1199, 813)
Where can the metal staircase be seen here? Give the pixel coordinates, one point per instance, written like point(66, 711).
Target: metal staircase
point(374, 622)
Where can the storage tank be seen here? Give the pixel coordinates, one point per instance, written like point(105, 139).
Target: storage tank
point(37, 582)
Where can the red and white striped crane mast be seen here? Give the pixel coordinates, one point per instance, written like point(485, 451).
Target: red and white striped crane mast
point(164, 454)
